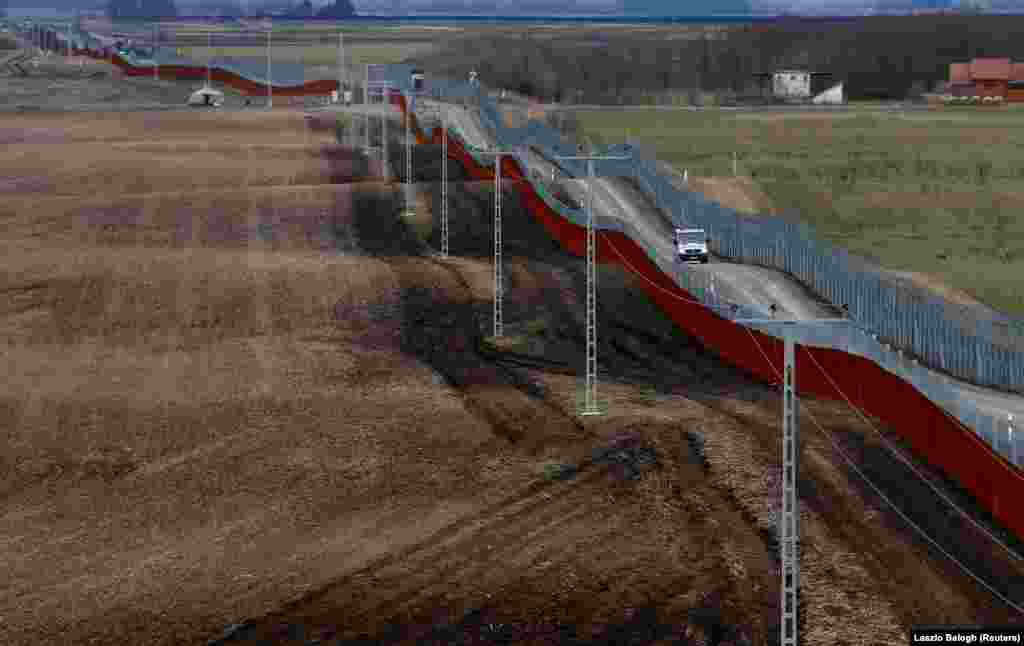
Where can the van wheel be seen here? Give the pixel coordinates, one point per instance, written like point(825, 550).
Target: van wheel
point(704, 260)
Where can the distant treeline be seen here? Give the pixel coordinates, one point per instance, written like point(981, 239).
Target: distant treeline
point(878, 57)
point(166, 9)
point(141, 9)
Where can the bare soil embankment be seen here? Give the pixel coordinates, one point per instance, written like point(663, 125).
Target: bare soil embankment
point(287, 412)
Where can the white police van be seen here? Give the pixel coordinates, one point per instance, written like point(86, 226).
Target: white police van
point(691, 244)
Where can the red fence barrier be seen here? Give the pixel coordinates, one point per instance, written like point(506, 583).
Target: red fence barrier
point(933, 434)
point(319, 87)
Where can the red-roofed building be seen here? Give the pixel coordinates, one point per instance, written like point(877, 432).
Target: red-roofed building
point(959, 72)
point(1015, 91)
point(988, 77)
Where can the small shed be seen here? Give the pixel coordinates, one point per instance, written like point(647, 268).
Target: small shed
point(832, 96)
point(987, 77)
point(1015, 87)
point(959, 73)
point(791, 84)
point(206, 96)
point(991, 76)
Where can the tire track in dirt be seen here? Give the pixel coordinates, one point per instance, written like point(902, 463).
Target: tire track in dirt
point(434, 314)
point(437, 582)
point(505, 516)
point(443, 316)
point(516, 377)
point(482, 623)
point(499, 546)
point(837, 505)
point(819, 500)
point(428, 314)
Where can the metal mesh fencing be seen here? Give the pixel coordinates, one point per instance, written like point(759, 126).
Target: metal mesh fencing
point(982, 348)
point(897, 329)
point(982, 351)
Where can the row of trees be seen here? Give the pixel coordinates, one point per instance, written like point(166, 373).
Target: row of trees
point(882, 57)
point(337, 9)
point(141, 9)
point(153, 9)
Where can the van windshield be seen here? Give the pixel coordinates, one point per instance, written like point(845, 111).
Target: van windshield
point(691, 237)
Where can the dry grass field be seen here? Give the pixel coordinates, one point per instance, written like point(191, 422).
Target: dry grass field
point(239, 391)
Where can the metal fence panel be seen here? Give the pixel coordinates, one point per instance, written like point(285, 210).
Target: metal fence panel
point(883, 315)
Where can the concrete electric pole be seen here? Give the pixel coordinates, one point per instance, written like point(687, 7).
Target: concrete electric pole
point(372, 90)
point(438, 111)
point(444, 184)
point(790, 520)
point(789, 513)
point(209, 55)
point(1010, 438)
point(156, 67)
point(270, 92)
point(408, 147)
point(410, 109)
point(498, 278)
point(342, 74)
point(590, 391)
point(366, 101)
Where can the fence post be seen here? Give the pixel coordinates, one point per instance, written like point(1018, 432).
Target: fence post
point(976, 356)
point(1009, 434)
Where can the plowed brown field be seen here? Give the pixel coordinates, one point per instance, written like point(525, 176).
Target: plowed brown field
point(265, 404)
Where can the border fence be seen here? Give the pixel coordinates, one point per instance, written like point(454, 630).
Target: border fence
point(986, 349)
point(900, 328)
point(904, 332)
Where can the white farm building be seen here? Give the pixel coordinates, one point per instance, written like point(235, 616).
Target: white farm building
point(791, 84)
point(832, 96)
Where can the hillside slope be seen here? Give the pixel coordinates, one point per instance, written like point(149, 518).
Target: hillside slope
point(272, 406)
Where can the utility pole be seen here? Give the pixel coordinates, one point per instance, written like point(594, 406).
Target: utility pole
point(789, 513)
point(366, 101)
point(498, 322)
point(444, 183)
point(300, 60)
point(341, 65)
point(1009, 437)
point(385, 89)
point(410, 107)
point(790, 518)
point(372, 90)
point(270, 91)
point(209, 55)
point(384, 139)
point(590, 394)
point(441, 115)
point(408, 146)
point(156, 67)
